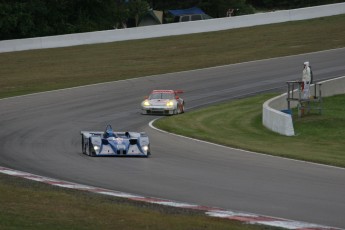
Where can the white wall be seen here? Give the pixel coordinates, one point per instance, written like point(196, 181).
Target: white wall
point(279, 122)
point(171, 29)
point(274, 119)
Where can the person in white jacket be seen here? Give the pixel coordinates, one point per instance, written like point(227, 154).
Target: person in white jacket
point(306, 78)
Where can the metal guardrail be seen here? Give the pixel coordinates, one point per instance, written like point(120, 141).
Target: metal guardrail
point(295, 93)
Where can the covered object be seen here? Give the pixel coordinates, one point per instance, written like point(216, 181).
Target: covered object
point(191, 14)
point(193, 10)
point(153, 17)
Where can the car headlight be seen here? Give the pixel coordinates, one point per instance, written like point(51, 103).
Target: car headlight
point(170, 103)
point(96, 147)
point(146, 103)
point(145, 148)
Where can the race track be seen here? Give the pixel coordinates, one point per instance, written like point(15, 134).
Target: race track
point(40, 134)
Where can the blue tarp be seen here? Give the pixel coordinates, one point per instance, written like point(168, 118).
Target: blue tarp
point(194, 10)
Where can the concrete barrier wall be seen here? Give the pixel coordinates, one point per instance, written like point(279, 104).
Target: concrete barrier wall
point(276, 120)
point(279, 122)
point(171, 29)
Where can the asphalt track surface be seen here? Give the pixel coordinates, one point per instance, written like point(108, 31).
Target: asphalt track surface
point(40, 134)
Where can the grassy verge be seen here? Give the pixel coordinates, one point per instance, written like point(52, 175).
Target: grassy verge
point(40, 70)
point(32, 205)
point(319, 138)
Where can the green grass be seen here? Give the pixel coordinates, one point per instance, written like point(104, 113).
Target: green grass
point(31, 205)
point(40, 70)
point(319, 138)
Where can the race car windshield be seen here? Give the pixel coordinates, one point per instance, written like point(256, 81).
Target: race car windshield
point(161, 96)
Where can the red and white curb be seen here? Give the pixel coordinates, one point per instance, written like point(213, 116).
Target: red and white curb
point(243, 217)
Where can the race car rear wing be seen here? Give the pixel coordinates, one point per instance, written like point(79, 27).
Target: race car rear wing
point(88, 134)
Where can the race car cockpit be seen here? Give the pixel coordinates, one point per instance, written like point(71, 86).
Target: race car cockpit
point(109, 132)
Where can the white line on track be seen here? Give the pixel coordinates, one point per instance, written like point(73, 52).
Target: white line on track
point(246, 218)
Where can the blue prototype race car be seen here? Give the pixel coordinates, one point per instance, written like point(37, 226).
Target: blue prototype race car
point(110, 143)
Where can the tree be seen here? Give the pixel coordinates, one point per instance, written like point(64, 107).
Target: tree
point(34, 18)
point(218, 8)
point(289, 4)
point(121, 14)
point(137, 9)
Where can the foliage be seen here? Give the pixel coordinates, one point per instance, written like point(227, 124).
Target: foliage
point(36, 18)
point(289, 4)
point(137, 9)
point(218, 8)
point(22, 19)
point(121, 14)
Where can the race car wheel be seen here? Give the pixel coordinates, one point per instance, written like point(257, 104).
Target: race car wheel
point(148, 152)
point(182, 110)
point(91, 151)
point(83, 146)
point(87, 151)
